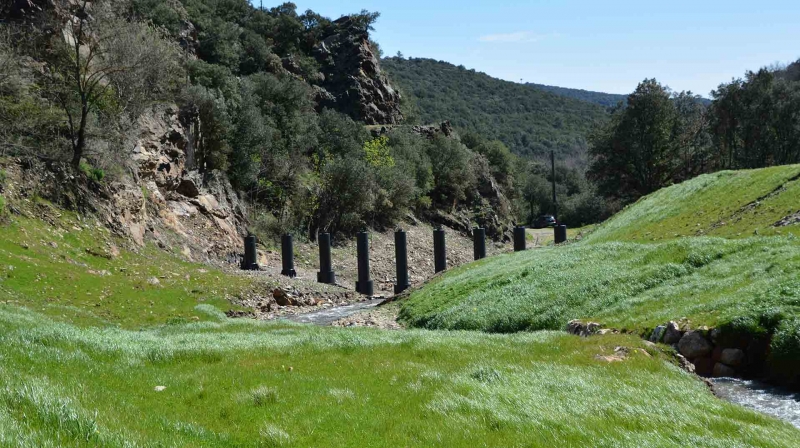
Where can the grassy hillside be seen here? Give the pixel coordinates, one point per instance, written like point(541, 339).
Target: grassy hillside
point(731, 204)
point(709, 281)
point(747, 284)
point(96, 354)
point(69, 270)
point(529, 121)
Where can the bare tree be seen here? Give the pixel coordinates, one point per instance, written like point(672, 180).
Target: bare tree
point(104, 61)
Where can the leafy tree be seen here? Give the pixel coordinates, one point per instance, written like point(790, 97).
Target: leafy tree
point(754, 121)
point(377, 154)
point(365, 20)
point(28, 122)
point(500, 160)
point(453, 176)
point(691, 136)
point(635, 154)
point(347, 194)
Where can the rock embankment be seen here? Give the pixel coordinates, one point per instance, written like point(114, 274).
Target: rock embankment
point(712, 352)
point(704, 351)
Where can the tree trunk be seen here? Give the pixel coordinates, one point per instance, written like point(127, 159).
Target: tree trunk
point(80, 142)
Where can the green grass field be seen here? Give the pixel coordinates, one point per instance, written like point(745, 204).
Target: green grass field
point(67, 270)
point(749, 285)
point(93, 353)
point(244, 383)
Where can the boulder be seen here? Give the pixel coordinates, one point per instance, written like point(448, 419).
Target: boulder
point(188, 187)
point(721, 370)
point(579, 328)
point(732, 357)
point(672, 333)
point(715, 334)
point(658, 333)
point(694, 345)
point(716, 355)
point(283, 298)
point(703, 366)
point(685, 364)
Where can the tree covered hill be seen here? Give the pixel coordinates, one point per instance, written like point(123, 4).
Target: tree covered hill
point(530, 121)
point(599, 98)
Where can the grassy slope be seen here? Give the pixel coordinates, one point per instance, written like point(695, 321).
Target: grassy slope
point(730, 204)
point(751, 284)
point(709, 281)
point(66, 271)
point(73, 373)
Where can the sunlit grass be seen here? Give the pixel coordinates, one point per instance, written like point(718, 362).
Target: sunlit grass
point(67, 271)
point(709, 281)
point(94, 353)
point(230, 383)
point(731, 204)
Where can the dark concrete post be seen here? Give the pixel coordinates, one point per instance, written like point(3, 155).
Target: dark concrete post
point(519, 238)
point(287, 256)
point(325, 274)
point(364, 285)
point(479, 243)
point(439, 251)
point(401, 257)
point(249, 263)
point(560, 234)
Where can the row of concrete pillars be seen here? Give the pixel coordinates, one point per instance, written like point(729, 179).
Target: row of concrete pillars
point(364, 285)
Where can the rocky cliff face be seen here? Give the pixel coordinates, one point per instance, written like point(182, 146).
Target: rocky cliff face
point(199, 208)
point(159, 201)
point(353, 82)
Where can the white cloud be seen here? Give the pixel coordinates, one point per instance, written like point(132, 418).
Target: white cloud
point(518, 37)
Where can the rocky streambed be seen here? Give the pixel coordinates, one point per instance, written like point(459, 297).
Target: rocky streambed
point(330, 315)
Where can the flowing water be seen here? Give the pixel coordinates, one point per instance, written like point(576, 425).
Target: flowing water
point(762, 397)
point(331, 315)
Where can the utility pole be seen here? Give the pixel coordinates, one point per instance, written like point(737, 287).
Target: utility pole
point(555, 199)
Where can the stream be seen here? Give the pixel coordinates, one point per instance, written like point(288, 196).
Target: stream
point(331, 315)
point(762, 397)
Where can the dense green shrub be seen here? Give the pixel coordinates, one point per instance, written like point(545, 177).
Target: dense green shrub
point(347, 194)
point(453, 177)
point(529, 121)
point(95, 174)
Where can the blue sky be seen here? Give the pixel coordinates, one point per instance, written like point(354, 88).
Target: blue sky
point(589, 44)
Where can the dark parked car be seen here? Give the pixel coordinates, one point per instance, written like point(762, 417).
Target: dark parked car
point(544, 221)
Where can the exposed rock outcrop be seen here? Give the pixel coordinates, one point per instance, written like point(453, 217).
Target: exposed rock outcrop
point(160, 200)
point(352, 77)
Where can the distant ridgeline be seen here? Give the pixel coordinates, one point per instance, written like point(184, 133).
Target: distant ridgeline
point(530, 121)
point(600, 98)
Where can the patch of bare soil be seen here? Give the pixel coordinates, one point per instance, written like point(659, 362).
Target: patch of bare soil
point(384, 317)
